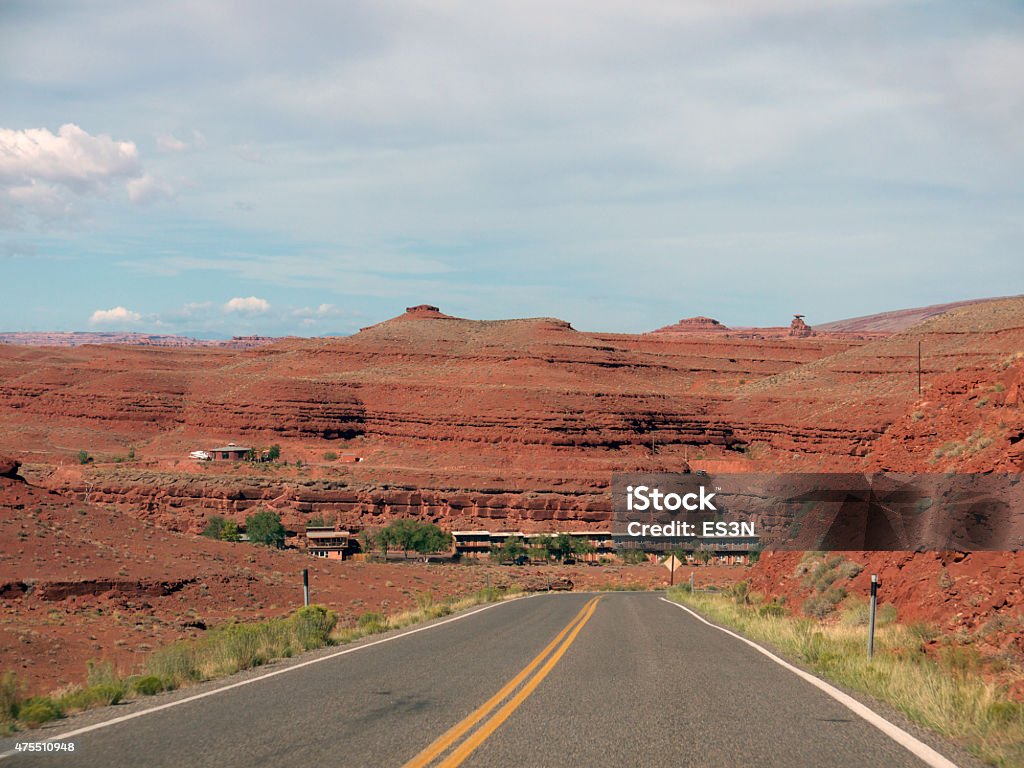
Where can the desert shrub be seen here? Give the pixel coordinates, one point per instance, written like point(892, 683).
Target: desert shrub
point(848, 569)
point(39, 710)
point(633, 556)
point(330, 456)
point(175, 665)
point(100, 695)
point(312, 626)
point(741, 592)
point(10, 696)
point(772, 609)
point(84, 457)
point(820, 606)
point(371, 622)
point(148, 685)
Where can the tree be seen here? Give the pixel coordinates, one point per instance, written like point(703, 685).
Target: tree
point(229, 531)
point(265, 528)
point(582, 547)
point(213, 527)
point(540, 548)
point(561, 546)
point(219, 528)
point(509, 550)
point(274, 453)
point(431, 539)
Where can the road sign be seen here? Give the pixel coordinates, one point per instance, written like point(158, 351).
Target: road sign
point(672, 563)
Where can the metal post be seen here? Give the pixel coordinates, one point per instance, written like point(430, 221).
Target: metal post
point(871, 618)
point(672, 573)
point(305, 586)
point(691, 582)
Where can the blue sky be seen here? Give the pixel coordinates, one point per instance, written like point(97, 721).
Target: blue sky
point(216, 168)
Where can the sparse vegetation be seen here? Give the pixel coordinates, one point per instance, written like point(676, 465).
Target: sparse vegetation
point(84, 457)
point(950, 695)
point(219, 528)
point(330, 456)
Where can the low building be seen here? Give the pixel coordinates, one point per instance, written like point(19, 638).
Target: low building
point(480, 543)
point(326, 542)
point(472, 543)
point(230, 452)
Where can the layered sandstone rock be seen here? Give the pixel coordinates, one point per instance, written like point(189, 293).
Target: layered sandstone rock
point(698, 324)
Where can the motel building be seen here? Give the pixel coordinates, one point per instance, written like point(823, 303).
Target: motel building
point(328, 543)
point(478, 544)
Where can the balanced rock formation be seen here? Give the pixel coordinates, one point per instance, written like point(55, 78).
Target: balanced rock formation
point(798, 328)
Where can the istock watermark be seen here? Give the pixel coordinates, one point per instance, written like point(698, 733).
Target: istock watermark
point(818, 511)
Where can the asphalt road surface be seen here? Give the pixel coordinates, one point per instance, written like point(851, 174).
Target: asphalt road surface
point(622, 679)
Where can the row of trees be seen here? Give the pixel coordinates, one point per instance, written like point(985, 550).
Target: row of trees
point(262, 527)
point(560, 547)
point(407, 536)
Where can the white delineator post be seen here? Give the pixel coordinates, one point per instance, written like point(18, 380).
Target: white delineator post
point(871, 616)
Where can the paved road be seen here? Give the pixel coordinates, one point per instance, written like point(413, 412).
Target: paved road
point(629, 681)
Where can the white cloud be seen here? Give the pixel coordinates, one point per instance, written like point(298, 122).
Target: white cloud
point(43, 174)
point(147, 189)
point(72, 158)
point(168, 142)
point(115, 315)
point(247, 304)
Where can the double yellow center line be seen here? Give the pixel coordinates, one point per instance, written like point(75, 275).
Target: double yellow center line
point(552, 652)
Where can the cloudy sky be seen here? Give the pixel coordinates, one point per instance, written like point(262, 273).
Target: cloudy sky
point(254, 167)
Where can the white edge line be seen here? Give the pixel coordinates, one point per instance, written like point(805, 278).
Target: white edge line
point(239, 684)
point(915, 746)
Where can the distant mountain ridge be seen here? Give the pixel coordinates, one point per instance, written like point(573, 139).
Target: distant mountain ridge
point(898, 320)
point(79, 338)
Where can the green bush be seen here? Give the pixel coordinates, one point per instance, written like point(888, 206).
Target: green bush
point(772, 609)
point(371, 622)
point(10, 696)
point(330, 456)
point(39, 710)
point(264, 527)
point(820, 606)
point(101, 695)
point(312, 626)
point(149, 685)
point(176, 664)
point(84, 457)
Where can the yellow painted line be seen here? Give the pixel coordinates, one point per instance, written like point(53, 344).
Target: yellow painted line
point(466, 748)
point(453, 734)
